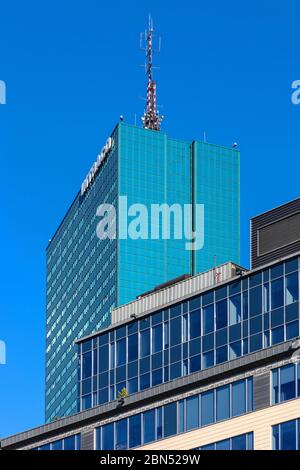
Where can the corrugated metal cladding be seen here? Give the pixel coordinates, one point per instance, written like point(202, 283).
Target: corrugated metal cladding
point(175, 292)
point(275, 234)
point(87, 440)
point(261, 391)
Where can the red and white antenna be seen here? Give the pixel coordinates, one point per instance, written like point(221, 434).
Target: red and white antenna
point(151, 118)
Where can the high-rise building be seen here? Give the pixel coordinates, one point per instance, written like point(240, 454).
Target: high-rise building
point(211, 362)
point(87, 276)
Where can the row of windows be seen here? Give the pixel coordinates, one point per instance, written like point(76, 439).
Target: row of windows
point(241, 442)
point(68, 443)
point(205, 331)
point(184, 415)
point(286, 436)
point(285, 383)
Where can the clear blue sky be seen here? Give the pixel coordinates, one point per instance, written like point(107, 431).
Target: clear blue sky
point(71, 68)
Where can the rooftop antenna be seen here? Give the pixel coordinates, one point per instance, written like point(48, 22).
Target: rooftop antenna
point(151, 118)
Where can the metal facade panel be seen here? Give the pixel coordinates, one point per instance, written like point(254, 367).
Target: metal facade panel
point(262, 391)
point(173, 293)
point(288, 242)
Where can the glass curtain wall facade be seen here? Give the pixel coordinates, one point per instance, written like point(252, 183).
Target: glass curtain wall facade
point(222, 324)
point(81, 287)
point(86, 276)
point(181, 416)
point(217, 185)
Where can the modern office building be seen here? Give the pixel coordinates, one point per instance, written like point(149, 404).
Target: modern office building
point(209, 362)
point(87, 276)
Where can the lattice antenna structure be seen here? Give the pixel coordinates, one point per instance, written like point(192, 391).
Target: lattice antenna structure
point(151, 118)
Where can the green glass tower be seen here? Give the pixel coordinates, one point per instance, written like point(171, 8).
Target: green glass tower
point(87, 276)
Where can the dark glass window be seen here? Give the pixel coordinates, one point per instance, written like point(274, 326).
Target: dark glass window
point(156, 339)
point(223, 402)
point(166, 335)
point(108, 442)
point(221, 337)
point(207, 298)
point(255, 301)
point(195, 324)
point(157, 318)
point(87, 365)
point(275, 435)
point(223, 445)
point(175, 370)
point(121, 352)
point(275, 386)
point(195, 346)
point(255, 279)
point(235, 309)
point(121, 332)
point(103, 339)
point(292, 291)
point(133, 385)
point(70, 443)
point(234, 288)
point(181, 419)
point(255, 342)
point(157, 377)
point(245, 305)
point(170, 419)
point(277, 293)
point(175, 353)
point(277, 317)
point(159, 430)
point(133, 344)
point(291, 265)
point(221, 354)
point(192, 413)
point(277, 335)
point(287, 382)
point(292, 312)
point(221, 314)
point(221, 293)
point(135, 431)
point(239, 442)
point(235, 349)
point(145, 343)
point(208, 319)
point(276, 271)
point(256, 324)
point(208, 359)
point(157, 361)
point(238, 398)
point(149, 426)
point(144, 381)
point(121, 434)
point(175, 311)
point(207, 408)
point(57, 445)
point(288, 435)
point(208, 342)
point(195, 363)
point(250, 394)
point(292, 330)
point(133, 327)
point(195, 303)
point(175, 331)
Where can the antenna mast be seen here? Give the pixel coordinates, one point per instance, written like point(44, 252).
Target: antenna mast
point(151, 118)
